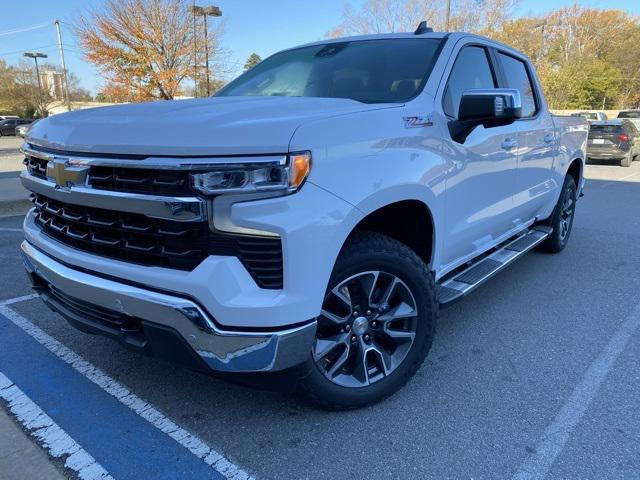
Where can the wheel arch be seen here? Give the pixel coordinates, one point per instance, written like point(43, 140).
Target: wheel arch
point(407, 219)
point(576, 171)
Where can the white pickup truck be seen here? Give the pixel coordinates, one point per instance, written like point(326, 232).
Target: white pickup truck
point(311, 217)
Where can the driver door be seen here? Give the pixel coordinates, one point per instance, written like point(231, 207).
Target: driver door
point(481, 176)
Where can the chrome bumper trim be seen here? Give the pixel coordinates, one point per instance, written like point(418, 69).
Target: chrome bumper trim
point(224, 351)
point(185, 209)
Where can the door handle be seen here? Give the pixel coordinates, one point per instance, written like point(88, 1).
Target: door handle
point(508, 144)
point(549, 138)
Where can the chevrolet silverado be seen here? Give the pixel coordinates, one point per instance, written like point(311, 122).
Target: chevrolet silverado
point(309, 218)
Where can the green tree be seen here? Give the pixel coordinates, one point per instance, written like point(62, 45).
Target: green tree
point(587, 83)
point(252, 61)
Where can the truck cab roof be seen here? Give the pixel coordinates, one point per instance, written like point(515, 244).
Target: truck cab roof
point(454, 36)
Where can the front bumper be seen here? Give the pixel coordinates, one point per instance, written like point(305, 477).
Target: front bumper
point(161, 324)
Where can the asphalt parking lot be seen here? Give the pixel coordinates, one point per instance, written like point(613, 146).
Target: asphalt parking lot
point(536, 374)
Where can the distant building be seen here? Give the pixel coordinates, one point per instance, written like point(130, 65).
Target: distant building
point(52, 84)
point(61, 107)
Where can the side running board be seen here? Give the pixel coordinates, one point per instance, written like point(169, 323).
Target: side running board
point(463, 282)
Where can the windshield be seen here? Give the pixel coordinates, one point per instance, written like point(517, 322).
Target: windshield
point(370, 71)
point(629, 115)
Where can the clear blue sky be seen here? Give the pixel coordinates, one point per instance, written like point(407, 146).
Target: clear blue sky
point(263, 26)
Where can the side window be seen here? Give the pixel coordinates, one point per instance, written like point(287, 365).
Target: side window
point(517, 76)
point(471, 70)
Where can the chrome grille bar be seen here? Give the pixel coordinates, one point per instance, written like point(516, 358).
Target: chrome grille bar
point(184, 209)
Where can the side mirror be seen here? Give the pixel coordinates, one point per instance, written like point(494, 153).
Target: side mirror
point(487, 107)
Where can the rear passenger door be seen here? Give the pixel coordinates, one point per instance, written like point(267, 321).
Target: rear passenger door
point(481, 171)
point(536, 142)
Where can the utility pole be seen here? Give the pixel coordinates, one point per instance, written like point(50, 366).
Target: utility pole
point(447, 16)
point(543, 28)
point(65, 80)
point(209, 11)
point(36, 56)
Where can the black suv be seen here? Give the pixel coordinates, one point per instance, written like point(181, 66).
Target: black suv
point(8, 126)
point(614, 140)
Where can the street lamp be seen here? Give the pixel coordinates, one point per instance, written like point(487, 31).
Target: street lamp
point(36, 56)
point(210, 11)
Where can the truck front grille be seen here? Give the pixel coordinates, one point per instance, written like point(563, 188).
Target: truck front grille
point(139, 239)
point(36, 166)
point(128, 180)
point(138, 180)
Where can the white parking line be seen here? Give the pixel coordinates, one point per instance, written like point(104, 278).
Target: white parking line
point(5, 229)
point(145, 410)
point(614, 181)
point(24, 298)
point(49, 435)
point(557, 433)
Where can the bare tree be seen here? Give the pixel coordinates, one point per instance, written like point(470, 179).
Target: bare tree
point(381, 16)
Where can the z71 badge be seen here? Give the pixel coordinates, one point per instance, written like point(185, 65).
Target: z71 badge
point(418, 122)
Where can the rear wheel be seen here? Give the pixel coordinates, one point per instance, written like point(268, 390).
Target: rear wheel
point(562, 218)
point(376, 324)
point(626, 161)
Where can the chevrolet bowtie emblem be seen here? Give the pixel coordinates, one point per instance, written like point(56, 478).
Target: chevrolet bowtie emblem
point(66, 175)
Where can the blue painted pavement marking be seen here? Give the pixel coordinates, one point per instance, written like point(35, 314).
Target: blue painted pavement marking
point(123, 442)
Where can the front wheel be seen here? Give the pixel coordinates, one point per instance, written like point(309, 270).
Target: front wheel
point(562, 218)
point(376, 324)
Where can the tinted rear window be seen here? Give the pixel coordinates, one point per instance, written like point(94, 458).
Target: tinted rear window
point(606, 129)
point(629, 115)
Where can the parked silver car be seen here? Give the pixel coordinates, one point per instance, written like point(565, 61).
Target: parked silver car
point(591, 116)
point(631, 115)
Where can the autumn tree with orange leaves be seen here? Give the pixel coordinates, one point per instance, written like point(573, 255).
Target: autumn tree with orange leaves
point(144, 48)
point(586, 58)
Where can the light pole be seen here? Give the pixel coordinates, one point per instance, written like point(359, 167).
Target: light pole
point(192, 9)
point(209, 11)
point(36, 56)
point(447, 16)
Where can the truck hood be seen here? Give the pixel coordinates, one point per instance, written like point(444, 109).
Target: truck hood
point(208, 126)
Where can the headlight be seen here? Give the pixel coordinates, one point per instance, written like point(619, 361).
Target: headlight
point(286, 177)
